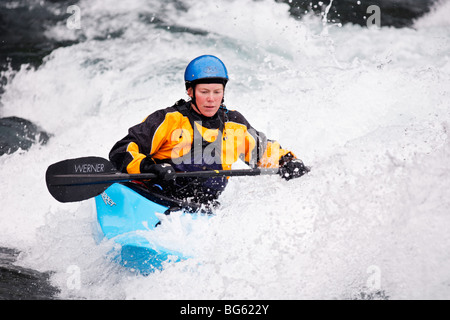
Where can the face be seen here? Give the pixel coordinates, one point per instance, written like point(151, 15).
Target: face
point(208, 98)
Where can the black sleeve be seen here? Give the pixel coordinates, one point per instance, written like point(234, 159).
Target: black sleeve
point(142, 135)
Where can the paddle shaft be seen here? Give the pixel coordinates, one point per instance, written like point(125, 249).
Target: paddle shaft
point(101, 178)
point(83, 178)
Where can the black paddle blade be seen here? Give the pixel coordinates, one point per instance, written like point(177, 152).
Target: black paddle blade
point(78, 179)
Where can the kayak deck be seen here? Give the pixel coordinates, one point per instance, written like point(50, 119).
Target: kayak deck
point(124, 212)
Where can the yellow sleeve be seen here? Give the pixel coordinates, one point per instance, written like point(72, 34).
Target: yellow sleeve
point(272, 155)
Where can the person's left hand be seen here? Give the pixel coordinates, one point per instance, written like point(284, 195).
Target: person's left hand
point(293, 168)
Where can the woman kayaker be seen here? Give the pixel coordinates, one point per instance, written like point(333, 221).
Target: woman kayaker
point(199, 134)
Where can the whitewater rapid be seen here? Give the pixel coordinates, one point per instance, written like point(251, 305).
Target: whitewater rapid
point(367, 109)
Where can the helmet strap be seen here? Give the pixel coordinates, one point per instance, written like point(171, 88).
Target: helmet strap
point(194, 101)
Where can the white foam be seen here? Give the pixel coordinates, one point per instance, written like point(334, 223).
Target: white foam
point(437, 17)
point(367, 109)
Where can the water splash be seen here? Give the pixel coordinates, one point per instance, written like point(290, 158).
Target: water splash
point(373, 129)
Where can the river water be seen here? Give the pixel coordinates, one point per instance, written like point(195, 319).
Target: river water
point(368, 109)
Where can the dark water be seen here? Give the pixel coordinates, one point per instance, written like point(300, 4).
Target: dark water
point(18, 133)
point(23, 42)
point(22, 23)
point(22, 26)
point(18, 283)
point(393, 13)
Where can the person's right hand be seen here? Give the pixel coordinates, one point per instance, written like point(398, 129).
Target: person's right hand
point(164, 171)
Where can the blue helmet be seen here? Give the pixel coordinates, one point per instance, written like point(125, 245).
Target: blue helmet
point(205, 69)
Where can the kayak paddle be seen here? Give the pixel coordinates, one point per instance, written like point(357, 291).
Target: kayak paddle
point(83, 178)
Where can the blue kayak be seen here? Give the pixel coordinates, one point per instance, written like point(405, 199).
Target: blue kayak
point(124, 211)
